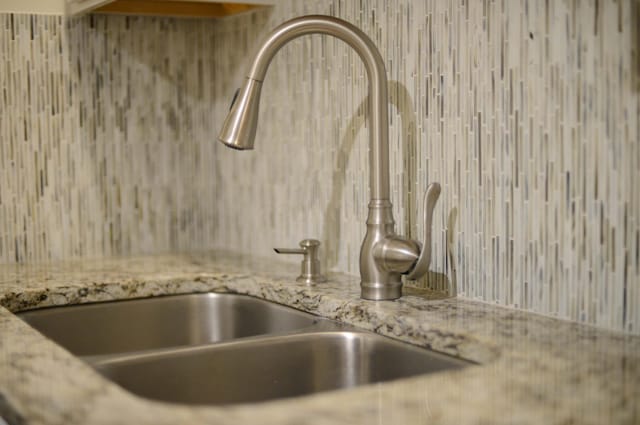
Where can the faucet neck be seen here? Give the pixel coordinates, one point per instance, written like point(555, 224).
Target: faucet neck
point(378, 104)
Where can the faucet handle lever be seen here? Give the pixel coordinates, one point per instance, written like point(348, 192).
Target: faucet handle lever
point(310, 266)
point(422, 265)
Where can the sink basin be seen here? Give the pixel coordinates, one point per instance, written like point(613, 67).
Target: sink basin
point(181, 320)
point(195, 349)
point(271, 367)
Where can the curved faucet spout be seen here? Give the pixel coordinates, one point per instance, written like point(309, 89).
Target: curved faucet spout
point(384, 257)
point(239, 128)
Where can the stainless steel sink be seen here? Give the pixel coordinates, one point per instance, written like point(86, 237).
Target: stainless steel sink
point(226, 349)
point(271, 367)
point(181, 320)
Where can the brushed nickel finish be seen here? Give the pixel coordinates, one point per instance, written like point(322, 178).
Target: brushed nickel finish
point(381, 267)
point(310, 265)
point(430, 198)
point(397, 254)
point(239, 129)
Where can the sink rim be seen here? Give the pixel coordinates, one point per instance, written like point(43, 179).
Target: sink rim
point(176, 362)
point(321, 327)
point(202, 313)
point(330, 330)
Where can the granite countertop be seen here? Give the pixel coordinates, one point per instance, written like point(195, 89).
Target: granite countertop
point(532, 369)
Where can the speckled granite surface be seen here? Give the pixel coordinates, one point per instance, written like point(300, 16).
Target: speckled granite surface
point(533, 369)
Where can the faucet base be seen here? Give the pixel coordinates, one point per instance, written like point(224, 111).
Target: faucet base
point(376, 281)
point(380, 292)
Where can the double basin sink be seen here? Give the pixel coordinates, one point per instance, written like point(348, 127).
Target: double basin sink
point(221, 349)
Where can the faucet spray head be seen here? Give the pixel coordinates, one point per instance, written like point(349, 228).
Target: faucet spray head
point(239, 127)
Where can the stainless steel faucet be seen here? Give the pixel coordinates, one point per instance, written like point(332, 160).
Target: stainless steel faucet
point(384, 256)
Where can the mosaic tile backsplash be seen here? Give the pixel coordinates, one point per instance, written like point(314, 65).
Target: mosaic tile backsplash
point(527, 113)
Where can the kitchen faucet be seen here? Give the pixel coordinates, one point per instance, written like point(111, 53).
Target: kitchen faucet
point(384, 256)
